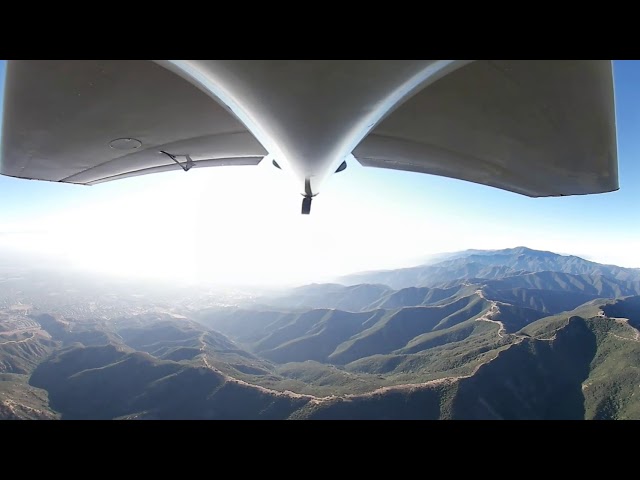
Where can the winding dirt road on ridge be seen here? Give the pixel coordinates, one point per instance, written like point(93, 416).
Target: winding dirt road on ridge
point(35, 331)
point(494, 309)
point(625, 321)
point(318, 400)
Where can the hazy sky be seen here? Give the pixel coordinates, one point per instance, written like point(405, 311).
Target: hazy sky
point(243, 224)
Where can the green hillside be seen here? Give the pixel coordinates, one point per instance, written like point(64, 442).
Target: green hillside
point(570, 368)
point(105, 382)
point(20, 401)
point(22, 356)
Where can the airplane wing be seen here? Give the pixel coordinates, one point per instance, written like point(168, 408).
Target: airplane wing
point(538, 128)
point(534, 127)
point(88, 122)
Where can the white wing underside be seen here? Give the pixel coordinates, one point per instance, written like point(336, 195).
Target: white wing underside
point(538, 128)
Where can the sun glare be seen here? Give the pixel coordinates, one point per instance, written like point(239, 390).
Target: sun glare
point(242, 226)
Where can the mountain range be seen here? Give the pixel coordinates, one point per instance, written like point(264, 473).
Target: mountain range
point(491, 264)
point(506, 334)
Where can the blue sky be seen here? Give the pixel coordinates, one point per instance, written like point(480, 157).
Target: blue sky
point(242, 224)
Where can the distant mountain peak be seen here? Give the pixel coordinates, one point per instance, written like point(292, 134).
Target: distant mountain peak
point(489, 264)
point(517, 250)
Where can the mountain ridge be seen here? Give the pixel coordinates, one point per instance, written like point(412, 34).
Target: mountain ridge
point(489, 264)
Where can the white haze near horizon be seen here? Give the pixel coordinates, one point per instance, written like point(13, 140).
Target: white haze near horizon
point(242, 226)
